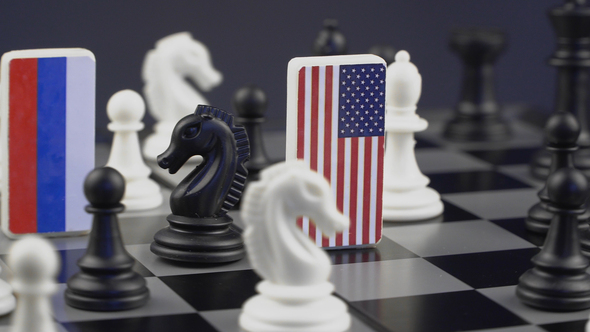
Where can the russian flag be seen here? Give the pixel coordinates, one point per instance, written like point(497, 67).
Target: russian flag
point(48, 127)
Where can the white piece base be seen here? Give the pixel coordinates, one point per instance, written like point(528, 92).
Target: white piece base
point(7, 300)
point(412, 205)
point(142, 194)
point(282, 308)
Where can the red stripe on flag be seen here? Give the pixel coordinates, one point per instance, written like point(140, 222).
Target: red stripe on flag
point(22, 129)
point(301, 123)
point(340, 185)
point(328, 134)
point(367, 190)
point(313, 148)
point(379, 208)
point(354, 148)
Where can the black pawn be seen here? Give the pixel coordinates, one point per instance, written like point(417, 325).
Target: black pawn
point(477, 115)
point(250, 104)
point(386, 52)
point(559, 281)
point(106, 281)
point(330, 41)
point(561, 130)
point(571, 22)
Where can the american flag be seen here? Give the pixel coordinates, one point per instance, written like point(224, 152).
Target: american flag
point(340, 133)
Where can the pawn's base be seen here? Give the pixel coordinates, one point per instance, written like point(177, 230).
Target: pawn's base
point(412, 205)
point(541, 290)
point(123, 292)
point(143, 194)
point(539, 219)
point(7, 300)
point(199, 240)
point(468, 129)
point(281, 308)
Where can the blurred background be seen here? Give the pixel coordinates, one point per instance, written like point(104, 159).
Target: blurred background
point(252, 41)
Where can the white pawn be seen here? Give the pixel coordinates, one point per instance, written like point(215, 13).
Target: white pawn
point(125, 110)
point(34, 265)
point(406, 196)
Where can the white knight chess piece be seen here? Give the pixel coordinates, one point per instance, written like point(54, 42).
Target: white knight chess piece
point(406, 196)
point(169, 96)
point(295, 294)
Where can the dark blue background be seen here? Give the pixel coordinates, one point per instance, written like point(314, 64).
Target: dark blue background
point(252, 41)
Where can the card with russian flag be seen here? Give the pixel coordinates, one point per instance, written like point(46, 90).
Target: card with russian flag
point(335, 123)
point(47, 116)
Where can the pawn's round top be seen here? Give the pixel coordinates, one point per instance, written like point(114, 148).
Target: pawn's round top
point(250, 102)
point(330, 40)
point(104, 187)
point(33, 260)
point(567, 188)
point(404, 83)
point(126, 107)
point(562, 128)
point(387, 52)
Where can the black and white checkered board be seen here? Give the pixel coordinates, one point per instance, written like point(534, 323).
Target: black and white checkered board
point(455, 273)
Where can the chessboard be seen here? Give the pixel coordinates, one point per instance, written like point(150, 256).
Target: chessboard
point(457, 272)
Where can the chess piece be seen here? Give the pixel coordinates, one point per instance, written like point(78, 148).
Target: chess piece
point(387, 52)
point(330, 41)
point(169, 95)
point(106, 281)
point(406, 196)
point(250, 104)
point(559, 281)
point(34, 264)
point(200, 230)
point(572, 60)
point(477, 115)
point(562, 130)
point(295, 294)
point(125, 110)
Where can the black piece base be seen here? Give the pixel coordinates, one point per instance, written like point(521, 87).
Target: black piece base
point(539, 219)
point(470, 129)
point(199, 240)
point(123, 292)
point(541, 163)
point(564, 293)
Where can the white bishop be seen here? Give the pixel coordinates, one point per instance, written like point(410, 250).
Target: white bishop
point(406, 196)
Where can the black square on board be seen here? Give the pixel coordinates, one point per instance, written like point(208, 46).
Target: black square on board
point(517, 227)
point(505, 156)
point(452, 212)
point(385, 250)
point(487, 269)
point(471, 181)
point(214, 291)
point(444, 312)
point(185, 322)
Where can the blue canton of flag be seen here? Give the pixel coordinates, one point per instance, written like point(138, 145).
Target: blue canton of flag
point(362, 100)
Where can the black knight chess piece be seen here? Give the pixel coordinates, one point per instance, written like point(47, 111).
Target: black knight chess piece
point(106, 281)
point(559, 281)
point(571, 22)
point(477, 115)
point(200, 230)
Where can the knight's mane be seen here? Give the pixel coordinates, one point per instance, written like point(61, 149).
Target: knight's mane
point(243, 152)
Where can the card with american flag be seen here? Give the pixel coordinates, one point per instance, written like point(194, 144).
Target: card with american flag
point(335, 123)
